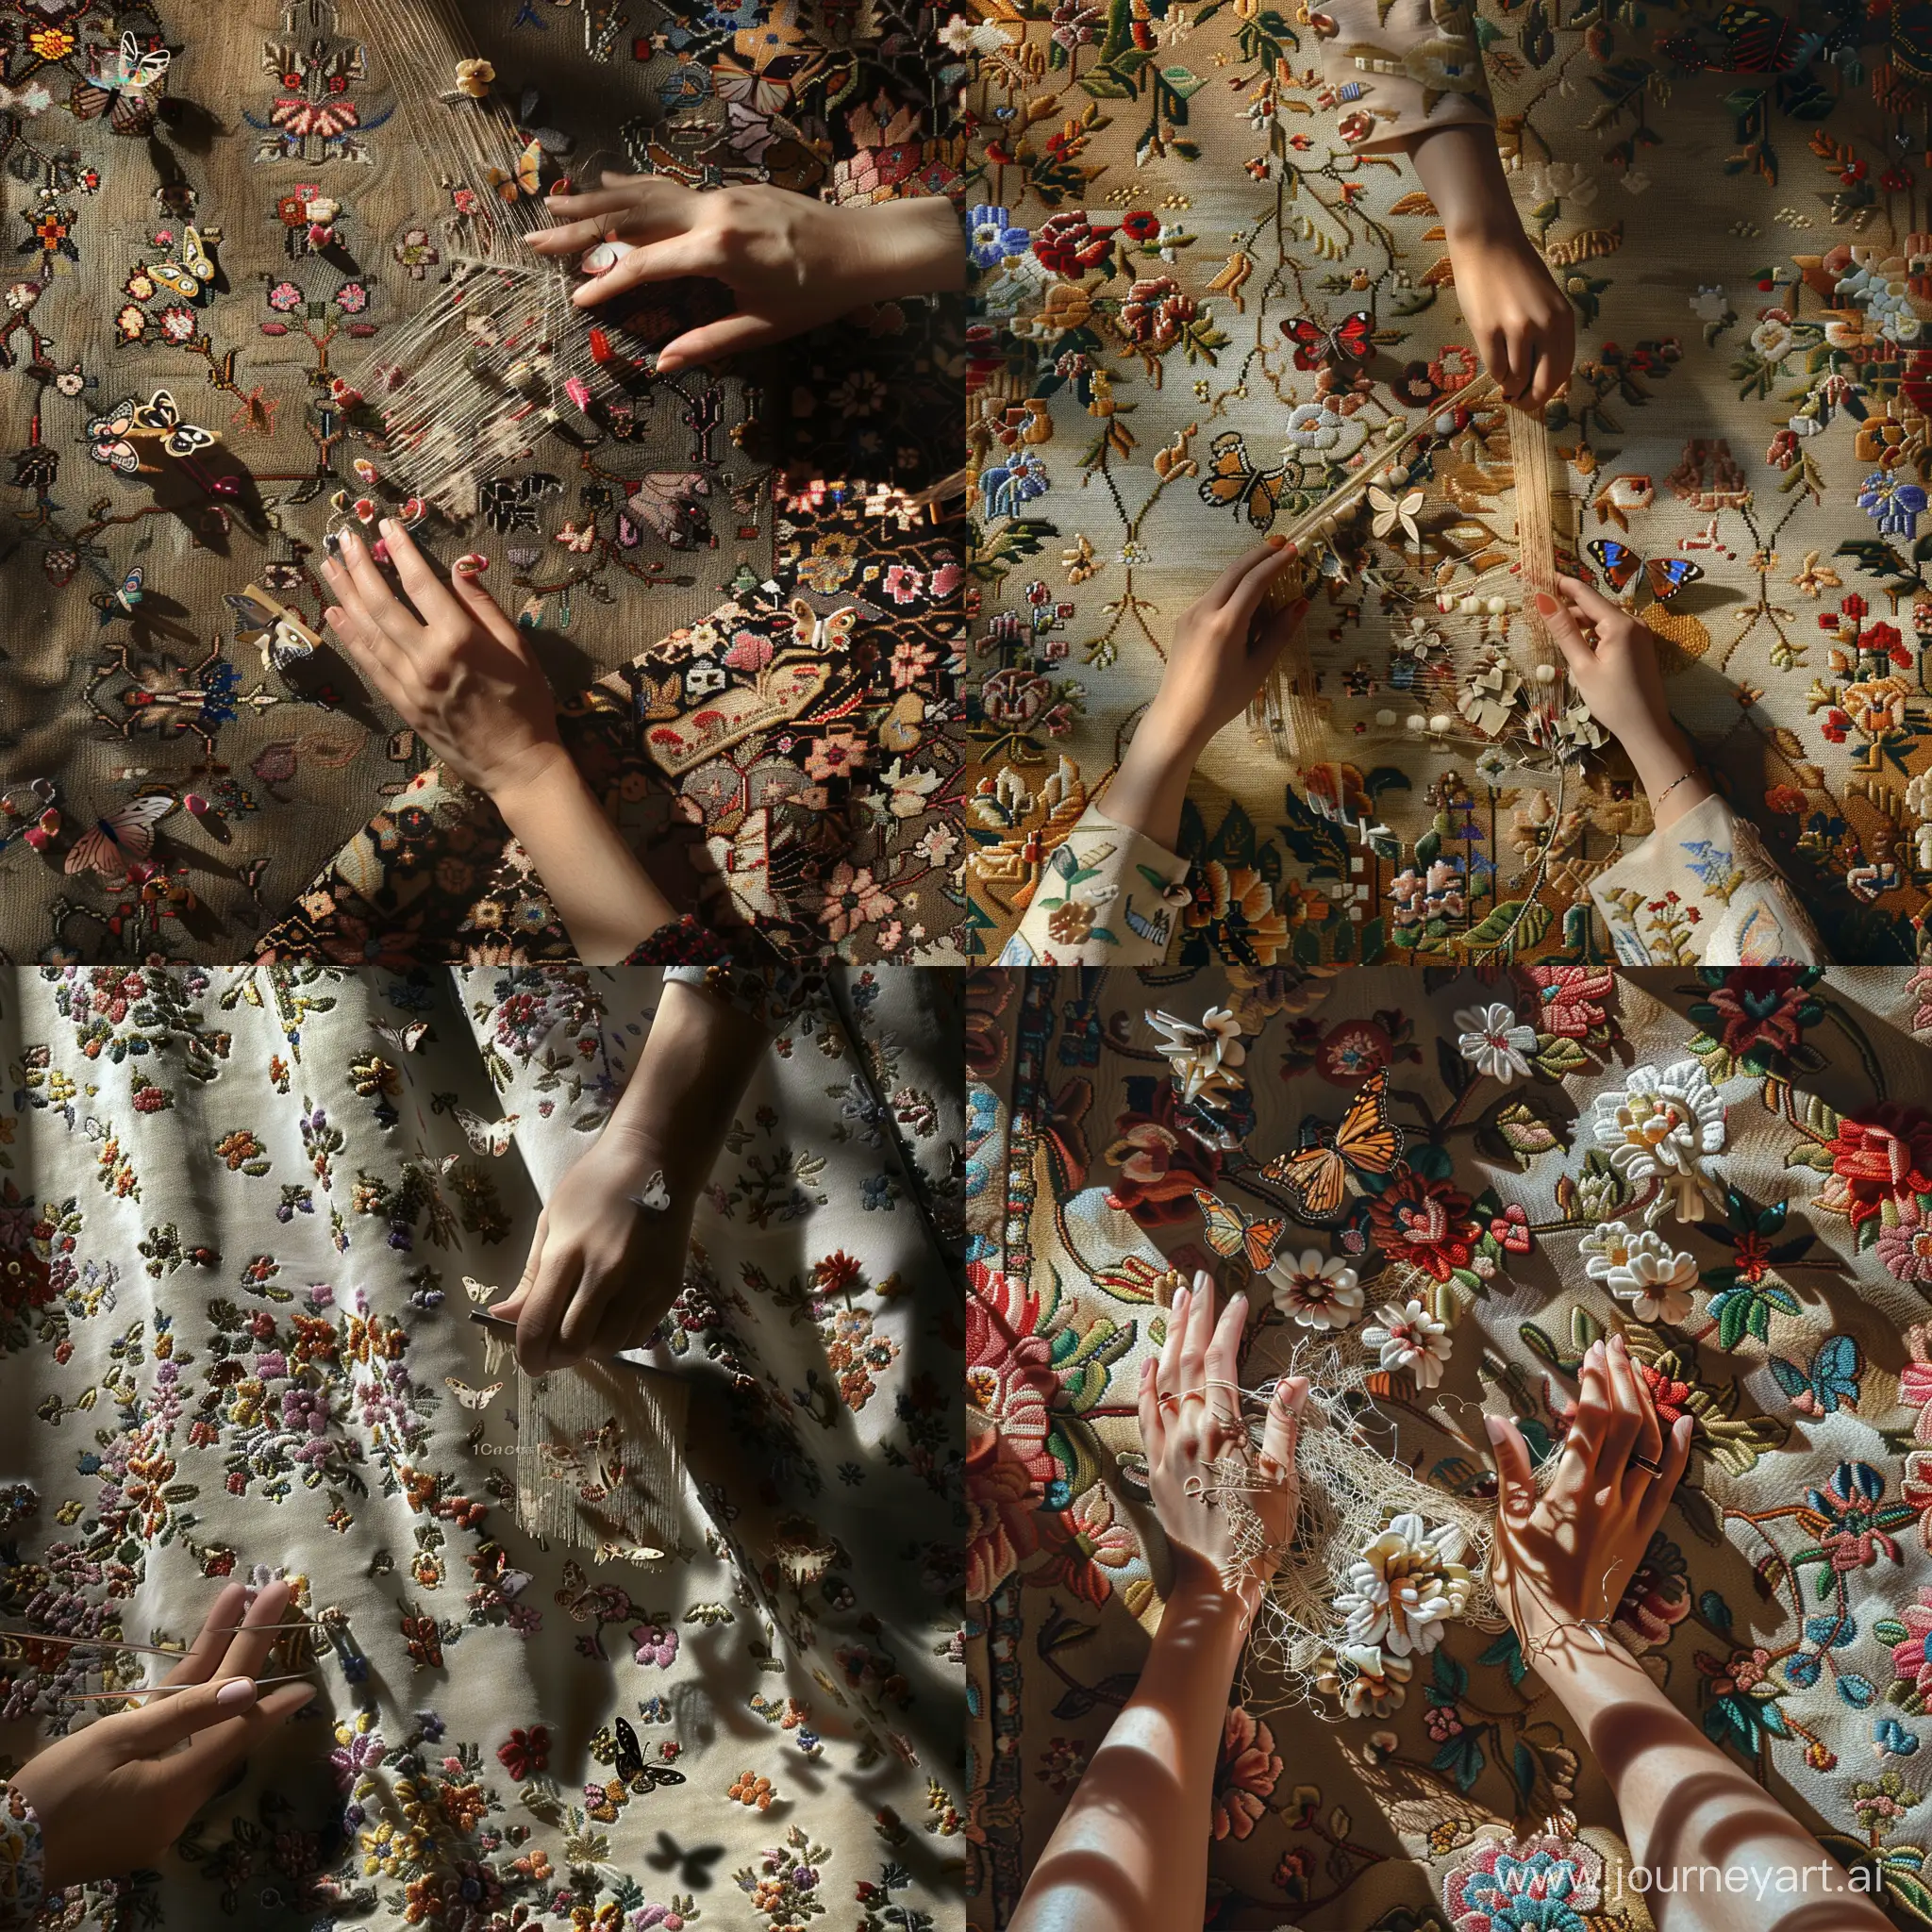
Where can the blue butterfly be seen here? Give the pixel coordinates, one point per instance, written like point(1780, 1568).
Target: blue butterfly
point(1620, 565)
point(1831, 1381)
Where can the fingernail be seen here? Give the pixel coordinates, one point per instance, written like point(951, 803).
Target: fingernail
point(1546, 603)
point(1203, 1282)
point(236, 1694)
point(389, 526)
point(472, 565)
point(1492, 1425)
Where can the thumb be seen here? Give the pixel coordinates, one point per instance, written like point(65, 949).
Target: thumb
point(165, 1721)
point(716, 339)
point(1561, 622)
point(1516, 1480)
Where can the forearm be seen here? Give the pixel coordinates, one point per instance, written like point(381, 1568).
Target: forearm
point(1150, 787)
point(1663, 757)
point(1130, 1852)
point(913, 246)
point(697, 1061)
point(606, 900)
point(1687, 1808)
point(1463, 174)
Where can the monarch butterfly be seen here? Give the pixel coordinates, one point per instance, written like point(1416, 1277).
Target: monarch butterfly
point(1366, 1142)
point(1620, 565)
point(1352, 341)
point(527, 177)
point(1234, 483)
point(1231, 1234)
point(127, 834)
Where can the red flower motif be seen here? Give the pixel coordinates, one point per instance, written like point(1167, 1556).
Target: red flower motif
point(1425, 1222)
point(1880, 1155)
point(1246, 1775)
point(524, 1751)
point(1570, 998)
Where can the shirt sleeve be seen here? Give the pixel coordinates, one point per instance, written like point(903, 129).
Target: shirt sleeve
point(1705, 891)
point(22, 1864)
point(774, 997)
point(1398, 68)
point(1107, 896)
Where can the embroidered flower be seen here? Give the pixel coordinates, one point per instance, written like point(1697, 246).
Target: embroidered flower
point(1881, 1164)
point(1402, 1590)
point(1408, 1336)
point(1490, 1040)
point(1425, 1222)
point(1202, 1057)
point(1642, 1269)
point(1317, 1290)
point(1245, 1776)
point(1662, 1125)
point(1525, 1885)
point(1365, 1679)
point(990, 236)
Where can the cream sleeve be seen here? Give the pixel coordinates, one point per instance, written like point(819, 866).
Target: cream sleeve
point(1398, 68)
point(1107, 896)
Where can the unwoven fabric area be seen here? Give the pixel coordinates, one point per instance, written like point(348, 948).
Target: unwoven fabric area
point(1785, 1603)
point(243, 232)
point(237, 1215)
point(1175, 239)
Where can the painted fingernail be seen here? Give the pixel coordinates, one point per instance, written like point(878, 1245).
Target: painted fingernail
point(236, 1694)
point(1546, 603)
point(472, 565)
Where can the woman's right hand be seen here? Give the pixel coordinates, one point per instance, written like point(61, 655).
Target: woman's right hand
point(113, 1796)
point(454, 668)
point(1190, 1419)
point(1564, 1556)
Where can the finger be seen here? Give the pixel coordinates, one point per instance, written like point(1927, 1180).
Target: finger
point(716, 339)
point(639, 192)
point(380, 608)
point(512, 1304)
point(1278, 633)
point(1496, 355)
point(218, 1749)
point(1194, 1344)
point(1583, 1440)
point(1168, 1370)
point(1245, 599)
point(1675, 1459)
point(1650, 1435)
point(1559, 620)
point(543, 1311)
point(211, 1641)
point(1590, 603)
point(1230, 581)
point(373, 654)
point(1221, 1366)
point(1153, 1427)
point(1282, 1431)
point(467, 590)
point(162, 1723)
point(1626, 1403)
point(249, 1647)
point(1515, 1478)
point(687, 254)
point(427, 591)
point(596, 1285)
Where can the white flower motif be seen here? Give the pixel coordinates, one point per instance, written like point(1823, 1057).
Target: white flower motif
point(1661, 1126)
point(1367, 1682)
point(1405, 1586)
point(1202, 1055)
point(1316, 1289)
point(1410, 1338)
point(1491, 1041)
point(1643, 1268)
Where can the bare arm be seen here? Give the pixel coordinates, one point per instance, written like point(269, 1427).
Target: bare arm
point(1130, 1852)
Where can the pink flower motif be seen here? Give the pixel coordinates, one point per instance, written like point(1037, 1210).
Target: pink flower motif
point(748, 652)
point(1246, 1775)
point(285, 298)
point(652, 1643)
point(904, 583)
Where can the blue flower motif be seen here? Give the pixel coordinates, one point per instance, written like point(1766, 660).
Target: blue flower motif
point(1006, 486)
point(1897, 505)
point(990, 236)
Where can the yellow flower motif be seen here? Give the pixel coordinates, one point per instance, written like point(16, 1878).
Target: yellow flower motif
point(474, 78)
point(51, 42)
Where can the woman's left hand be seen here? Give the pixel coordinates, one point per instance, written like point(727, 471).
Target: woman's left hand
point(1190, 1420)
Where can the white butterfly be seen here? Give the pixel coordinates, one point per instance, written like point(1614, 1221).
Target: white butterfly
point(479, 1290)
point(473, 1398)
point(654, 1198)
point(404, 1039)
point(488, 1136)
point(1388, 512)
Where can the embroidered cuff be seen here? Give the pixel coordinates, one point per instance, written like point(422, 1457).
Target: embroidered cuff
point(22, 1861)
point(772, 995)
point(1396, 71)
point(1705, 891)
point(1107, 896)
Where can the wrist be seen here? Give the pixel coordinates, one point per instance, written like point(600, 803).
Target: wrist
point(540, 777)
point(914, 247)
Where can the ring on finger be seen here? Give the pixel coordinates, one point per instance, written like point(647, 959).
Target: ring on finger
point(1644, 1463)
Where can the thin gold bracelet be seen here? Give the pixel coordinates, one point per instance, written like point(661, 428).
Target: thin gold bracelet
point(1682, 778)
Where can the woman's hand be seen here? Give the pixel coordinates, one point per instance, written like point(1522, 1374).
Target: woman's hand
point(793, 262)
point(114, 1795)
point(1521, 321)
point(454, 668)
point(1614, 668)
point(1564, 1556)
point(1225, 645)
point(607, 1260)
point(1190, 1419)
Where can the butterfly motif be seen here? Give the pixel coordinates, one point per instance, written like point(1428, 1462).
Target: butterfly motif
point(631, 1768)
point(1366, 1142)
point(189, 274)
point(487, 1137)
point(125, 835)
point(123, 81)
point(1620, 565)
point(1388, 510)
point(1830, 1383)
point(692, 1867)
point(283, 638)
point(473, 1398)
point(121, 602)
point(1352, 341)
point(628, 1553)
point(1234, 483)
point(479, 1290)
point(107, 439)
point(653, 1198)
point(404, 1039)
point(526, 178)
point(161, 416)
point(1232, 1234)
